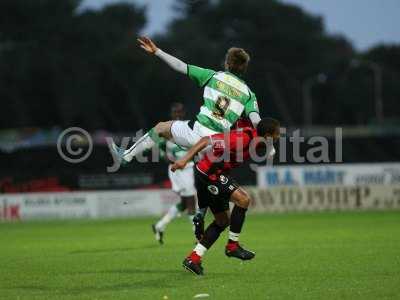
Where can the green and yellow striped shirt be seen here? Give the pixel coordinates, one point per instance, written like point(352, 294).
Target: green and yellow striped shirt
point(226, 97)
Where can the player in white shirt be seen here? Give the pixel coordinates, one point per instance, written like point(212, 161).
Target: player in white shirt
point(182, 181)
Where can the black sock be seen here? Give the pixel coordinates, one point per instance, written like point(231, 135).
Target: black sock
point(211, 234)
point(237, 218)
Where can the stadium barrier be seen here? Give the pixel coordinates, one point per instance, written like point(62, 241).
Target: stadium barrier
point(329, 174)
point(99, 204)
point(325, 198)
point(117, 204)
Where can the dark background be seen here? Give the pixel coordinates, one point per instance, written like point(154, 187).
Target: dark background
point(62, 67)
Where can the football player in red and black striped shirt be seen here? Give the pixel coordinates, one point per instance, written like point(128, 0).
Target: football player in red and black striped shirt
point(215, 187)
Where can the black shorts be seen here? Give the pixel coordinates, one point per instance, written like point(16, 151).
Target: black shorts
point(214, 194)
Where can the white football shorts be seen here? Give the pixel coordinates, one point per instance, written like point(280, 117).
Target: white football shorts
point(185, 136)
point(183, 181)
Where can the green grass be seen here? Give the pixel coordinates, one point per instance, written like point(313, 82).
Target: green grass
point(299, 256)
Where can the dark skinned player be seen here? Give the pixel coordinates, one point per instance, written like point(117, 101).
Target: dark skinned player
point(215, 187)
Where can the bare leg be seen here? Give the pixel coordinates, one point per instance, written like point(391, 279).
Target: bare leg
point(190, 204)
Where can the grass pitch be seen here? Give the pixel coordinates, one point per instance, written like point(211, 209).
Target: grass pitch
point(299, 256)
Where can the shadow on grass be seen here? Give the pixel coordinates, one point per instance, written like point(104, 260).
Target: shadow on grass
point(26, 290)
point(132, 271)
point(138, 285)
point(32, 288)
point(137, 271)
point(167, 279)
point(110, 250)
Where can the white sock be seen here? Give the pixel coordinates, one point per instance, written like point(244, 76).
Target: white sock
point(143, 144)
point(168, 217)
point(200, 249)
point(234, 236)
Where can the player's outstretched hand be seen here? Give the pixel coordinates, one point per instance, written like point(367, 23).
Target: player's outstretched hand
point(147, 44)
point(178, 165)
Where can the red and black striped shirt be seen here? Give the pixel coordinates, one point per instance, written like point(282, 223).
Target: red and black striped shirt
point(228, 150)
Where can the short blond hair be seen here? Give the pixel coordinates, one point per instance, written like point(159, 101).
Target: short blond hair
point(237, 60)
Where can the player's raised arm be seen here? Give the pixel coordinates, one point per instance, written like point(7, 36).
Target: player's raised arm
point(254, 118)
point(252, 111)
point(200, 145)
point(150, 47)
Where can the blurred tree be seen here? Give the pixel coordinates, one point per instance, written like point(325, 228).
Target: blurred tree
point(63, 66)
point(58, 66)
point(27, 30)
point(349, 95)
point(286, 44)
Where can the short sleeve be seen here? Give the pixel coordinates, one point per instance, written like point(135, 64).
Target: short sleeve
point(228, 141)
point(251, 105)
point(218, 143)
point(238, 140)
point(199, 75)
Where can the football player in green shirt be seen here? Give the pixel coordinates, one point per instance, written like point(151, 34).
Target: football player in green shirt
point(226, 98)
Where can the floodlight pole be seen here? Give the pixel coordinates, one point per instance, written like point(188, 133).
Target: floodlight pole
point(377, 71)
point(307, 87)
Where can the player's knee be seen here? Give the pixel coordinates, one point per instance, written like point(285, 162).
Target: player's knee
point(241, 198)
point(163, 129)
point(181, 206)
point(190, 210)
point(222, 223)
point(159, 128)
point(245, 201)
point(190, 203)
